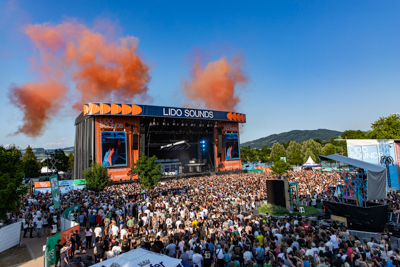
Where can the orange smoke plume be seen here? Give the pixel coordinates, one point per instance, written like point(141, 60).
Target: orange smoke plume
point(100, 68)
point(216, 85)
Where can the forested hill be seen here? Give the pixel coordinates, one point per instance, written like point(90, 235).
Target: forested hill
point(295, 135)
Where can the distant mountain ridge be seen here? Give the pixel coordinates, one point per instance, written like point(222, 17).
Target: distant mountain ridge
point(295, 135)
point(39, 152)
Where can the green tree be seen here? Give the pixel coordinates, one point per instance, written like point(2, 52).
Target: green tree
point(30, 164)
point(254, 156)
point(329, 149)
point(277, 151)
point(280, 167)
point(11, 175)
point(352, 134)
point(314, 147)
point(318, 140)
point(293, 153)
point(62, 161)
point(266, 150)
point(385, 128)
point(70, 162)
point(245, 154)
point(96, 176)
point(265, 158)
point(285, 145)
point(296, 158)
point(147, 170)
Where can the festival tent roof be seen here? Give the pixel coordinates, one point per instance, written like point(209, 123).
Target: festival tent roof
point(310, 163)
point(376, 175)
point(142, 258)
point(353, 162)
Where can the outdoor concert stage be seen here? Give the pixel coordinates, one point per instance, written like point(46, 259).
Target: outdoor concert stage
point(187, 142)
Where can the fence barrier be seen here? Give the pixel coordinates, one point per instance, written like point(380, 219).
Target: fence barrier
point(11, 233)
point(367, 236)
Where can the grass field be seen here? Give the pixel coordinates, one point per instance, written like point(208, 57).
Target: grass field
point(308, 211)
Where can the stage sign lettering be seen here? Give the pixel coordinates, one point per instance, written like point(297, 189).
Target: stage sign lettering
point(157, 111)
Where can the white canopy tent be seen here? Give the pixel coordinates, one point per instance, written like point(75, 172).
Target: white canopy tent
point(310, 163)
point(141, 258)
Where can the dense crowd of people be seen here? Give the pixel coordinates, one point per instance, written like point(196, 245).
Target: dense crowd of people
point(211, 221)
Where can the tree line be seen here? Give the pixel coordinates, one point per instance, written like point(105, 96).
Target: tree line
point(297, 154)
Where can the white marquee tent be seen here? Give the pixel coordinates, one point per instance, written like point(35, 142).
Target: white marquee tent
point(142, 258)
point(310, 163)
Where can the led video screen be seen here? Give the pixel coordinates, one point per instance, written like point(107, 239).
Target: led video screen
point(232, 147)
point(113, 149)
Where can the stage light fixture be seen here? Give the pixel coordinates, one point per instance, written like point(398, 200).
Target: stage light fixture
point(163, 124)
point(177, 124)
point(173, 123)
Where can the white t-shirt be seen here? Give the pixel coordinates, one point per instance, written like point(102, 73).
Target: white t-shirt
point(117, 250)
point(88, 233)
point(247, 256)
point(279, 236)
point(334, 241)
point(123, 233)
point(197, 258)
point(219, 253)
point(114, 230)
point(39, 224)
point(97, 231)
point(110, 254)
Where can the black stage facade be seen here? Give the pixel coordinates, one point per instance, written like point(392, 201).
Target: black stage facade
point(187, 142)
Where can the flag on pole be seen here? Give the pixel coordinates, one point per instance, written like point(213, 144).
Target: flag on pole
point(55, 190)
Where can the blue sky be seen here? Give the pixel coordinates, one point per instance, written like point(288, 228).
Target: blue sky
point(311, 64)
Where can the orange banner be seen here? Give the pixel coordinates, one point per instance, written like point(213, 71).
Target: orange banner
point(67, 234)
point(42, 184)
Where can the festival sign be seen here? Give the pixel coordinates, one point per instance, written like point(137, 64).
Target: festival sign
point(67, 213)
point(55, 190)
point(67, 234)
point(79, 181)
point(50, 253)
point(157, 111)
point(42, 184)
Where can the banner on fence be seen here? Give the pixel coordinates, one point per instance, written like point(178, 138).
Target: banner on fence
point(67, 218)
point(67, 213)
point(79, 181)
point(67, 234)
point(50, 253)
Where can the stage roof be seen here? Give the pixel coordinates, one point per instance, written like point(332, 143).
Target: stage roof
point(353, 162)
point(98, 109)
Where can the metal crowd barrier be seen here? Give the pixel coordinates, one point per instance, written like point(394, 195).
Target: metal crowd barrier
point(367, 235)
point(394, 218)
point(247, 207)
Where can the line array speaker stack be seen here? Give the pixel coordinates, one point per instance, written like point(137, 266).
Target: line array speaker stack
point(219, 145)
point(135, 141)
point(278, 193)
point(142, 141)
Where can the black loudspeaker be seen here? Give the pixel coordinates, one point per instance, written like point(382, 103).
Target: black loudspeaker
point(224, 141)
point(135, 141)
point(142, 141)
point(219, 145)
point(278, 193)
